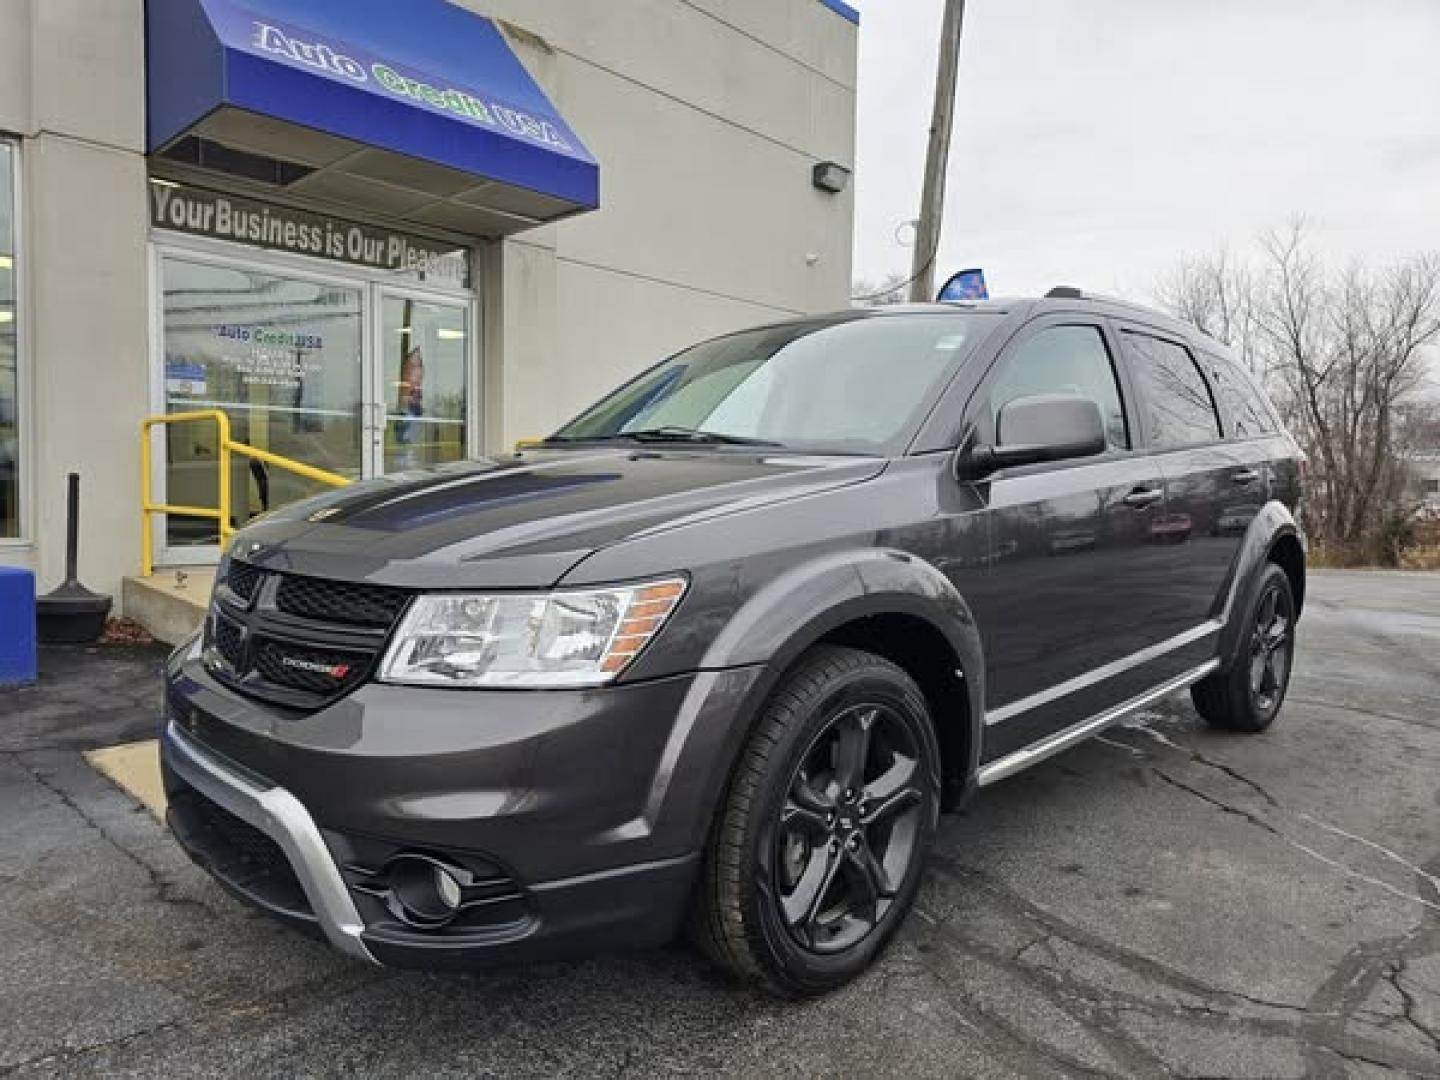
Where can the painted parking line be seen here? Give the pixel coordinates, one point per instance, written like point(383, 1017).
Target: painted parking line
point(135, 768)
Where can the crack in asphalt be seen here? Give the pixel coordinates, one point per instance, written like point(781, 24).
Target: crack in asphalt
point(1395, 977)
point(1141, 724)
point(1098, 1009)
point(1031, 1056)
point(1136, 963)
point(1357, 710)
point(55, 1057)
point(165, 889)
point(1325, 1038)
point(1426, 878)
point(1318, 1026)
point(1351, 982)
point(311, 995)
point(1290, 841)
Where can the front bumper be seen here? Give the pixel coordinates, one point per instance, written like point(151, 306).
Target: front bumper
point(278, 815)
point(581, 814)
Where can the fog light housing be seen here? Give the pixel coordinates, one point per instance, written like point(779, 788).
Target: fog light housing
point(434, 893)
point(423, 892)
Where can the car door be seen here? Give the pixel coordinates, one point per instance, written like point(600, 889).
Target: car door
point(1066, 605)
point(1213, 487)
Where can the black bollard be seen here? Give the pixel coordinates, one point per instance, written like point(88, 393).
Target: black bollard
point(72, 614)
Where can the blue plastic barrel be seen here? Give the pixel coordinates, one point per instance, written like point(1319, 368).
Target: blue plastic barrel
point(18, 664)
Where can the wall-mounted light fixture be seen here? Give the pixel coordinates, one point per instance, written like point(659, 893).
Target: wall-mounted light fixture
point(830, 176)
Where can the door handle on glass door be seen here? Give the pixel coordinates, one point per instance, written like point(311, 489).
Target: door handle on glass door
point(1143, 498)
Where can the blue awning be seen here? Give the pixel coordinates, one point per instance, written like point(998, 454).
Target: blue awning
point(418, 110)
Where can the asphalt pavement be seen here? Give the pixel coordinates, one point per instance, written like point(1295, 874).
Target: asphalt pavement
point(1161, 901)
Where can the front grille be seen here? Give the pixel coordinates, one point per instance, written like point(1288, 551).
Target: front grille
point(295, 640)
point(244, 580)
point(325, 672)
point(339, 601)
point(237, 853)
point(229, 638)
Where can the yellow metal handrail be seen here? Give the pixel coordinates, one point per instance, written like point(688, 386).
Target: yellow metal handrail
point(228, 446)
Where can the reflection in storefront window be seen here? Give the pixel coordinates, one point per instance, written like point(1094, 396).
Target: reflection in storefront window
point(9, 353)
point(425, 345)
point(282, 356)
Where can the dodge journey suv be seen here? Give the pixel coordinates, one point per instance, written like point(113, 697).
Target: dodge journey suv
point(716, 654)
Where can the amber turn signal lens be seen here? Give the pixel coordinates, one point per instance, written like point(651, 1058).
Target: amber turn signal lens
point(646, 612)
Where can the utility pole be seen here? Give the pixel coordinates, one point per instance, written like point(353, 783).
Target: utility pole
point(932, 200)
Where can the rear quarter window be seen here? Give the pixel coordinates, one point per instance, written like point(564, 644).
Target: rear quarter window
point(1179, 409)
point(1244, 403)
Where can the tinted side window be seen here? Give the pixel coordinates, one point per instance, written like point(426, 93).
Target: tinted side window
point(1064, 360)
point(1178, 405)
point(1249, 417)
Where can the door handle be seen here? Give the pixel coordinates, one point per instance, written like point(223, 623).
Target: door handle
point(1141, 498)
point(1245, 476)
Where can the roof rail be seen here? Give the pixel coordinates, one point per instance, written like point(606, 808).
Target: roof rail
point(1071, 292)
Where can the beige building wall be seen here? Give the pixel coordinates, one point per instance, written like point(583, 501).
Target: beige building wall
point(707, 117)
point(707, 120)
point(72, 88)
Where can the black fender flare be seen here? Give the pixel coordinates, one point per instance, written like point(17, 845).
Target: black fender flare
point(1271, 526)
point(799, 607)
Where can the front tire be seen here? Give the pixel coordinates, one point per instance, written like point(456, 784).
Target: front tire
point(1247, 696)
point(818, 850)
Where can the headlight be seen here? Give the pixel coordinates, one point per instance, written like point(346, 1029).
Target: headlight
point(579, 638)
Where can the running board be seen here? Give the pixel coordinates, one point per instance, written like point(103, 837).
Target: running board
point(1063, 740)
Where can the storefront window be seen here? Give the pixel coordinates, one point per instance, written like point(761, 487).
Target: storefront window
point(10, 486)
point(283, 357)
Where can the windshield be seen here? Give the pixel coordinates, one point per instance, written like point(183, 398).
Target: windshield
point(859, 386)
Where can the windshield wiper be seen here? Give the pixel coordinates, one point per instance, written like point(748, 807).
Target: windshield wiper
point(674, 433)
point(668, 434)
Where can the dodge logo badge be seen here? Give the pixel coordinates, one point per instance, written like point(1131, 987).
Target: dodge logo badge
point(335, 671)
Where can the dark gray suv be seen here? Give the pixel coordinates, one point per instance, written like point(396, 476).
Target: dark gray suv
point(718, 652)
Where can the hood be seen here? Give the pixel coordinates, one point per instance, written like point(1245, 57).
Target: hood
point(525, 522)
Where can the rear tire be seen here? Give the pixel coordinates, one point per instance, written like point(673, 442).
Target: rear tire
point(1247, 696)
point(817, 853)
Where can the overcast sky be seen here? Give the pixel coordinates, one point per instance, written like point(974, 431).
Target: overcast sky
point(1098, 140)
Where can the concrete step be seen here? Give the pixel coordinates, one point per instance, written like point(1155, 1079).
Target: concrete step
point(171, 604)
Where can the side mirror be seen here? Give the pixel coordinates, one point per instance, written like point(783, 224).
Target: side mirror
point(1045, 427)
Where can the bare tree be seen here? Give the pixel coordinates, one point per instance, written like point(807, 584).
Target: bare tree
point(888, 290)
point(1345, 353)
point(1217, 293)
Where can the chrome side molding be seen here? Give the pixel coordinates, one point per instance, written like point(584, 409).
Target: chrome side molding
point(1108, 671)
point(1011, 764)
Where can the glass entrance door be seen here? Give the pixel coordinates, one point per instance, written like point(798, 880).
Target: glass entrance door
point(424, 355)
point(283, 356)
point(356, 377)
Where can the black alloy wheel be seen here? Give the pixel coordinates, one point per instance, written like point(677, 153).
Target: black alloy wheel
point(848, 827)
point(1272, 643)
point(1246, 694)
point(818, 850)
